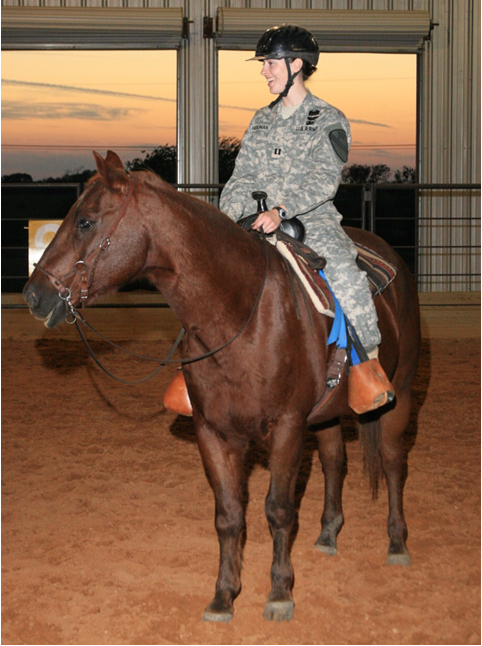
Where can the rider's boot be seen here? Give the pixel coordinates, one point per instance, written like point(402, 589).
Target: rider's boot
point(368, 385)
point(176, 397)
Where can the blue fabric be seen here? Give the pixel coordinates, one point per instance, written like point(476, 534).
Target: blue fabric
point(339, 333)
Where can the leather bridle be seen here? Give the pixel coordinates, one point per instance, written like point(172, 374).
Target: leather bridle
point(83, 270)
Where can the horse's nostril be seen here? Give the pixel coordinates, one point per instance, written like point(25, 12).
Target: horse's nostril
point(31, 297)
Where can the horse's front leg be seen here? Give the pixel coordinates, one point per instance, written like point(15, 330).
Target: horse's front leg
point(224, 465)
point(286, 451)
point(331, 451)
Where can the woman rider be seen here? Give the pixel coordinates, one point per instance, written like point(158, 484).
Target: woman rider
point(294, 150)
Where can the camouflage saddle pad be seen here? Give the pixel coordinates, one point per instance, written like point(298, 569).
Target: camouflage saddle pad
point(306, 265)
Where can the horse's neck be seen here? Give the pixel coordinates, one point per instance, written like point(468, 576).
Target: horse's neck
point(207, 268)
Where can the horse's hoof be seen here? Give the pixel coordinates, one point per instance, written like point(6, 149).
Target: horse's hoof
point(278, 611)
point(326, 549)
point(220, 617)
point(399, 559)
point(220, 609)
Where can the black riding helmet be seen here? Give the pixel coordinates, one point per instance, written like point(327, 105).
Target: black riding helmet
point(287, 41)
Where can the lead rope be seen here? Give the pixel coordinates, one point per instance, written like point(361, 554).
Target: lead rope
point(168, 360)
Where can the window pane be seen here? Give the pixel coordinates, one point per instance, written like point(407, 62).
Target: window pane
point(57, 106)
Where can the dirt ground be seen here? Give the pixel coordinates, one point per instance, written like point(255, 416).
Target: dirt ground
point(107, 517)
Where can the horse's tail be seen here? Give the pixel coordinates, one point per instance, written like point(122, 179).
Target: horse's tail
point(370, 437)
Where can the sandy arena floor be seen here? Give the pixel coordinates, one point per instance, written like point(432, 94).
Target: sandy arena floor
point(107, 517)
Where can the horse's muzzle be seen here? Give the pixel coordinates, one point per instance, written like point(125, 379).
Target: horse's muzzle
point(44, 301)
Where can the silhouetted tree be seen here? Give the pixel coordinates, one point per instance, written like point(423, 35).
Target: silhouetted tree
point(17, 178)
point(78, 176)
point(406, 175)
point(228, 151)
point(366, 174)
point(356, 174)
point(379, 173)
point(162, 160)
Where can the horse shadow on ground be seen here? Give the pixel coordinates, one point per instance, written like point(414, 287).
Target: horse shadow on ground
point(257, 455)
point(72, 360)
point(67, 357)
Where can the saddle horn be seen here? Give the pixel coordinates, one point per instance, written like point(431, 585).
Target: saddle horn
point(292, 227)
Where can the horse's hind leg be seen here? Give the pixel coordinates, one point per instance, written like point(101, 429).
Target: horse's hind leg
point(286, 452)
point(224, 465)
point(393, 424)
point(331, 451)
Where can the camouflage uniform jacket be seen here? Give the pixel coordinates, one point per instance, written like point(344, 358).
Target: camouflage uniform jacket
point(297, 161)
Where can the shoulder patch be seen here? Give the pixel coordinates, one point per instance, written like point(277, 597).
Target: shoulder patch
point(340, 143)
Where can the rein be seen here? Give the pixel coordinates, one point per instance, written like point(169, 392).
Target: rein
point(87, 278)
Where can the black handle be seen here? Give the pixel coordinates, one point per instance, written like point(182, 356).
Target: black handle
point(260, 197)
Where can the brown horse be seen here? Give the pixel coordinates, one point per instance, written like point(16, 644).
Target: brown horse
point(262, 386)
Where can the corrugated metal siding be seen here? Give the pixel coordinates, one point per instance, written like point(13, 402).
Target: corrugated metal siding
point(335, 30)
point(211, 5)
point(450, 99)
point(450, 148)
point(104, 27)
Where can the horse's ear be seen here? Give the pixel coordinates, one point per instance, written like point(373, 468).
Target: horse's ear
point(114, 160)
point(112, 171)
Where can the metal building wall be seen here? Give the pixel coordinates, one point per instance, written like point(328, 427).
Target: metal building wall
point(450, 102)
point(450, 147)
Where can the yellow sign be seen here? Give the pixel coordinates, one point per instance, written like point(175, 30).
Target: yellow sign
point(40, 234)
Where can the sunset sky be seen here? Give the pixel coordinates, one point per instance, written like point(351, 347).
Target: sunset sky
point(59, 105)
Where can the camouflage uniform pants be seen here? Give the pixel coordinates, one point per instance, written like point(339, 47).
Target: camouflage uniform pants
point(348, 282)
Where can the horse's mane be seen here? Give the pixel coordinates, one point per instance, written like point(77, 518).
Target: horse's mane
point(151, 180)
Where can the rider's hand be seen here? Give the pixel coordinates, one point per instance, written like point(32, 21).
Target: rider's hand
point(269, 220)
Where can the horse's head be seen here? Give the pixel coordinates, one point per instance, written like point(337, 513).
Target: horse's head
point(95, 249)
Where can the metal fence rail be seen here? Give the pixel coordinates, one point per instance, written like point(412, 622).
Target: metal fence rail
point(445, 254)
point(440, 245)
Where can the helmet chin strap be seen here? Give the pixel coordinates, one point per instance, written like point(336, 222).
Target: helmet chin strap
point(289, 83)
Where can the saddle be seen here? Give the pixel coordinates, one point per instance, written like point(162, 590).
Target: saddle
point(306, 264)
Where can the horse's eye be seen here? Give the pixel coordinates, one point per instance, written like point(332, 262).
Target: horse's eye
point(84, 225)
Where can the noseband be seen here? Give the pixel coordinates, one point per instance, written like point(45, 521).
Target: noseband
point(83, 270)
